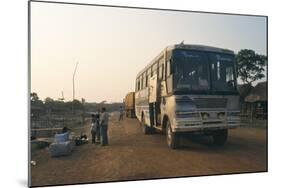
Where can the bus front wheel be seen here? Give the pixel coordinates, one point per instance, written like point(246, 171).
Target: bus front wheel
point(220, 137)
point(145, 128)
point(171, 137)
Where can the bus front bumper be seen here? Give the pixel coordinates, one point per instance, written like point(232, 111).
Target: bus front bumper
point(204, 126)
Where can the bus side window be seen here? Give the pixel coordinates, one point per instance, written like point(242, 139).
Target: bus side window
point(154, 68)
point(136, 88)
point(159, 72)
point(140, 82)
point(148, 76)
point(144, 80)
point(168, 68)
point(164, 70)
point(160, 68)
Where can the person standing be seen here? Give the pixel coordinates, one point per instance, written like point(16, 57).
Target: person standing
point(104, 126)
point(98, 135)
point(94, 128)
point(121, 113)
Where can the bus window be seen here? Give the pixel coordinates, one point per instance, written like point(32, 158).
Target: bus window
point(160, 68)
point(136, 84)
point(148, 75)
point(141, 82)
point(222, 67)
point(154, 68)
point(147, 78)
point(144, 80)
point(168, 68)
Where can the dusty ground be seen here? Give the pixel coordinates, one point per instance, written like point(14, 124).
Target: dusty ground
point(132, 155)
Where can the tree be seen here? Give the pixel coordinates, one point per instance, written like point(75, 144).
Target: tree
point(49, 100)
point(34, 97)
point(77, 105)
point(35, 101)
point(250, 65)
point(49, 103)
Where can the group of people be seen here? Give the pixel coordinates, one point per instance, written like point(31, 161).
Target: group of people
point(99, 129)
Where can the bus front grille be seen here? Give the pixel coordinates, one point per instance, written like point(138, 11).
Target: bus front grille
point(210, 102)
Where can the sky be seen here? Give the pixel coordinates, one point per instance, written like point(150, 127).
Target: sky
point(113, 44)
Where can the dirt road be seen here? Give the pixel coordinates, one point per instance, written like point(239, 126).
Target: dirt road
point(132, 155)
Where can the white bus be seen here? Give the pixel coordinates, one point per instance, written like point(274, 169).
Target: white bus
point(189, 89)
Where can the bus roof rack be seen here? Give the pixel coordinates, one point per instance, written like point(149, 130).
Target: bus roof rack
point(199, 47)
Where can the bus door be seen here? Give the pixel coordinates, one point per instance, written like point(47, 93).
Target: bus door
point(153, 96)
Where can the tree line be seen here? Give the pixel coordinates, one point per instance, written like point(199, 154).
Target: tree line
point(51, 105)
point(60, 106)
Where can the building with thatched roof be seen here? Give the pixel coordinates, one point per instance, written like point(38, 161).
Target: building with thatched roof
point(258, 93)
point(254, 100)
point(244, 90)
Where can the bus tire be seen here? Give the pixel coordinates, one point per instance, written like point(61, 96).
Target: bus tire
point(145, 128)
point(220, 137)
point(171, 137)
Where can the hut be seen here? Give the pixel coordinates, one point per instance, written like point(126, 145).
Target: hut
point(244, 91)
point(257, 101)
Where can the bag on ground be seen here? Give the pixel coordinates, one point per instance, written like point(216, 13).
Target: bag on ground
point(61, 148)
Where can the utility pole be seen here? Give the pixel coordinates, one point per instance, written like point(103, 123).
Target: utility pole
point(73, 89)
point(73, 82)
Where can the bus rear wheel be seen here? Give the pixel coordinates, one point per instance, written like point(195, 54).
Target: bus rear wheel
point(220, 137)
point(171, 137)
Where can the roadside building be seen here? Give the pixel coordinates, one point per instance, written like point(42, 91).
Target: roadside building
point(254, 101)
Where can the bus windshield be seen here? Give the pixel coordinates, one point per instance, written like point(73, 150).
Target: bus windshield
point(222, 69)
point(191, 70)
point(203, 71)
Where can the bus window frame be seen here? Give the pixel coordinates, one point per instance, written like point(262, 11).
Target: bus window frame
point(141, 82)
point(145, 79)
point(148, 76)
point(136, 88)
point(154, 65)
point(161, 65)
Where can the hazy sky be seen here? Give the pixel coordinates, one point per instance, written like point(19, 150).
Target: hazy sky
point(113, 44)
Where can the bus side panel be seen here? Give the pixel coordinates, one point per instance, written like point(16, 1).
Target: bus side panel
point(141, 105)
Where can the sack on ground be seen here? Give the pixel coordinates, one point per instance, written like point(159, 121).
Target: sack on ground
point(61, 137)
point(61, 148)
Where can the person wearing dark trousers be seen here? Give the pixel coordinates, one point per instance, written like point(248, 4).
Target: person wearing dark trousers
point(98, 134)
point(121, 112)
point(94, 128)
point(104, 127)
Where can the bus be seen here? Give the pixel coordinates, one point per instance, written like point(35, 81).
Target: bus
point(189, 89)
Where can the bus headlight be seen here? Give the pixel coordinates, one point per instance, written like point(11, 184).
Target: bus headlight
point(205, 116)
point(221, 115)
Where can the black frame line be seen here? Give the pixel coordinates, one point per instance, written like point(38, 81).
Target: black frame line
point(144, 8)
